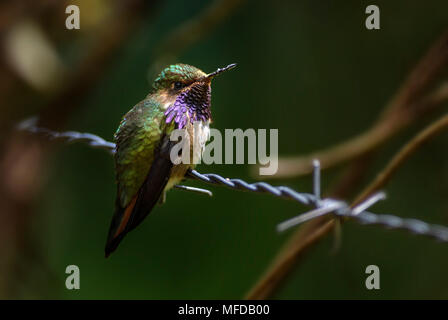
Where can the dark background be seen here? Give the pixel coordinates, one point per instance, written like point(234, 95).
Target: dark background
point(308, 68)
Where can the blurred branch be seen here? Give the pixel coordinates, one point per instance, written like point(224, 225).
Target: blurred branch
point(191, 31)
point(302, 240)
point(287, 259)
point(360, 145)
point(384, 176)
point(406, 107)
point(34, 57)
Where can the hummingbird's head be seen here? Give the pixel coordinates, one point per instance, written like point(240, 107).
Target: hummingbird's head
point(187, 92)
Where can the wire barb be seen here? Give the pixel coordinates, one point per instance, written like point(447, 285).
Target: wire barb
point(363, 206)
point(321, 206)
point(332, 205)
point(316, 178)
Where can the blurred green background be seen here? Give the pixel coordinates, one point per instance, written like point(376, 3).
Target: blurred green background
point(308, 68)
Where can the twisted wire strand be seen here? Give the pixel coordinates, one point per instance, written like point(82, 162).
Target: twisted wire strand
point(414, 226)
point(364, 217)
point(91, 140)
point(257, 187)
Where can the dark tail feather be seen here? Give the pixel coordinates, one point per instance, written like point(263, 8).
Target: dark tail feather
point(125, 220)
point(112, 244)
point(117, 225)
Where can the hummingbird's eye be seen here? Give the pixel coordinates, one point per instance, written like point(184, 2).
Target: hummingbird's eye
point(178, 85)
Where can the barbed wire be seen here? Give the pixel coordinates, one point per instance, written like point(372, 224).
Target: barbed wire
point(328, 205)
point(91, 140)
point(322, 207)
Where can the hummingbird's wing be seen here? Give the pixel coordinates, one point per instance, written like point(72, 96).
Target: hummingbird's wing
point(143, 168)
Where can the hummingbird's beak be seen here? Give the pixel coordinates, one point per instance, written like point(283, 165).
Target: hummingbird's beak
point(220, 70)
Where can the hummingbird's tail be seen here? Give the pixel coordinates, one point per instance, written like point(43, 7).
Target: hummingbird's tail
point(118, 225)
point(126, 219)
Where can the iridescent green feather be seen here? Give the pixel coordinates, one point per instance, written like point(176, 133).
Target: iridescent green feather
point(177, 72)
point(137, 137)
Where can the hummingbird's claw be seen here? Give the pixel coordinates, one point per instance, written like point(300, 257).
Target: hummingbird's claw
point(193, 189)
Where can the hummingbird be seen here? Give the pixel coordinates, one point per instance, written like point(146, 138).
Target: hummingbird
point(181, 97)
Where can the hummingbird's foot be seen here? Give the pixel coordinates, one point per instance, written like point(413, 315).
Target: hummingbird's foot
point(193, 189)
